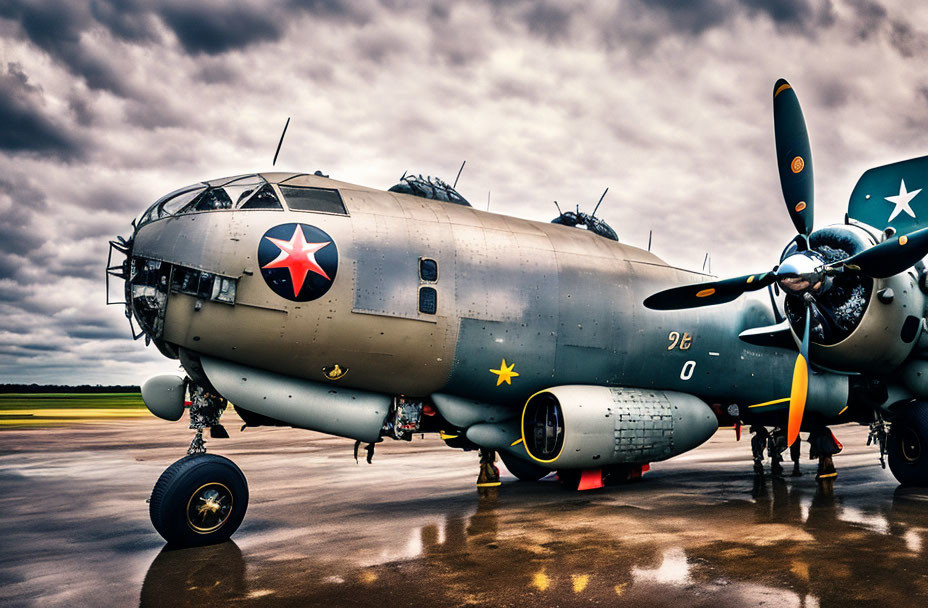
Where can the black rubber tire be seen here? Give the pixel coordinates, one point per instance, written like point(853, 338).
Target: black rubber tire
point(173, 495)
point(908, 446)
point(523, 469)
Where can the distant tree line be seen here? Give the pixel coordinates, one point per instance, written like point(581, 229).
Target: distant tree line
point(65, 388)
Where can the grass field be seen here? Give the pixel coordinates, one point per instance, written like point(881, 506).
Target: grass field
point(19, 410)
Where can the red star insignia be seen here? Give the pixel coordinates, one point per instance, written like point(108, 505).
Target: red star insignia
point(299, 257)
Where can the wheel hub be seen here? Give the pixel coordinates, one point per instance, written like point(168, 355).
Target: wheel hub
point(209, 507)
point(911, 446)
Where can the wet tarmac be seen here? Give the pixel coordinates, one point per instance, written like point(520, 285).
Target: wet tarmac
point(411, 529)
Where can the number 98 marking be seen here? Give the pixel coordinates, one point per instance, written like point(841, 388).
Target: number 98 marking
point(677, 341)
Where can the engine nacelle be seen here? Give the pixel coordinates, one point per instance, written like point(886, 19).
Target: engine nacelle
point(577, 426)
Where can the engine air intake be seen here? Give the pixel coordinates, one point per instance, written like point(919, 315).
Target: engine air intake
point(543, 427)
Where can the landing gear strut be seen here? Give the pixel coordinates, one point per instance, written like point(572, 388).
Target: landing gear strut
point(200, 499)
point(205, 410)
point(489, 473)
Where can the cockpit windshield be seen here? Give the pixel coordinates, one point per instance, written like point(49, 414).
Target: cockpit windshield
point(245, 192)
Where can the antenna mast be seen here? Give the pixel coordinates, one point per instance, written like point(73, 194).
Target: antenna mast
point(281, 142)
point(600, 202)
point(459, 175)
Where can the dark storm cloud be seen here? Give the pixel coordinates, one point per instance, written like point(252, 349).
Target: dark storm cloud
point(20, 200)
point(799, 15)
point(330, 9)
point(24, 124)
point(694, 17)
point(215, 29)
point(126, 19)
point(57, 29)
point(870, 16)
point(550, 19)
point(96, 333)
point(666, 101)
point(691, 16)
point(906, 39)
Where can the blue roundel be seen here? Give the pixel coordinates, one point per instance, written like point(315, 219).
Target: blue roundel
point(298, 261)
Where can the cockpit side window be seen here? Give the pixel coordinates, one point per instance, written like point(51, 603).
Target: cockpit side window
point(264, 198)
point(244, 192)
point(173, 205)
point(155, 210)
point(212, 199)
point(320, 200)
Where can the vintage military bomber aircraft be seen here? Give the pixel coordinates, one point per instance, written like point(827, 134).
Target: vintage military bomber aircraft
point(370, 314)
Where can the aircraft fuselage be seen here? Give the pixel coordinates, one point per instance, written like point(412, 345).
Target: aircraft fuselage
point(560, 305)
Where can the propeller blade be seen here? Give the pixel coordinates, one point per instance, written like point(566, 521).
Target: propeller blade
point(707, 294)
point(794, 156)
point(892, 256)
point(800, 387)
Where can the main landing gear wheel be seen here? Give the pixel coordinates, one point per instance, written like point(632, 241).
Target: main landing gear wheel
point(199, 500)
point(908, 446)
point(523, 469)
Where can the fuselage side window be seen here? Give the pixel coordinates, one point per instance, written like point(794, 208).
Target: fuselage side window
point(320, 200)
point(428, 270)
point(428, 300)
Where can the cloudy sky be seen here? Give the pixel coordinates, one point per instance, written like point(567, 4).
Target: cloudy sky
point(106, 105)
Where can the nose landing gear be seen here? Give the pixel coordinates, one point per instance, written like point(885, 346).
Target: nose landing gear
point(200, 499)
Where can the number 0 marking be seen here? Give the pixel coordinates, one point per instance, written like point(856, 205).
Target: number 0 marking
point(687, 372)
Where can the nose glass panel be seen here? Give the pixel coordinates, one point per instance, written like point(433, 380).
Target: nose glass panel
point(148, 290)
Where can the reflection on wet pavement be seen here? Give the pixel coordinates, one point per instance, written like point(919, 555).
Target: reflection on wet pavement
point(411, 529)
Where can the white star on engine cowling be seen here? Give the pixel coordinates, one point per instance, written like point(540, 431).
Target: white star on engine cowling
point(902, 200)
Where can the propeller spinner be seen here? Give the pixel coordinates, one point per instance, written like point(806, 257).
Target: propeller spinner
point(804, 273)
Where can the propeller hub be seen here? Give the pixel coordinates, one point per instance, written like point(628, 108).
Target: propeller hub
point(803, 272)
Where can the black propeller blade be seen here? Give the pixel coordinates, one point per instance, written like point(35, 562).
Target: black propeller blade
point(794, 156)
point(707, 294)
point(892, 256)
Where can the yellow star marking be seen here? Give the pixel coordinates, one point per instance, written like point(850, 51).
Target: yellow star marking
point(505, 373)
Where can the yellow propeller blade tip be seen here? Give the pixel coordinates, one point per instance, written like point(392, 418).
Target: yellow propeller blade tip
point(797, 399)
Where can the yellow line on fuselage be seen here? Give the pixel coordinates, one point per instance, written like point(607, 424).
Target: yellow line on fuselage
point(774, 402)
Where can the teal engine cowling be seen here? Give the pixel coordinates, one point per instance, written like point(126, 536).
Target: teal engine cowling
point(580, 426)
